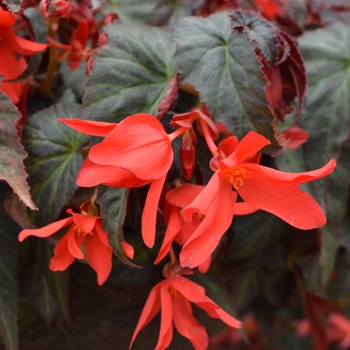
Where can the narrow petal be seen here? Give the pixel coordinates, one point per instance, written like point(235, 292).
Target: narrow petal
point(249, 145)
point(151, 308)
point(242, 208)
point(45, 231)
point(138, 146)
point(173, 227)
point(89, 127)
point(204, 266)
point(128, 249)
point(99, 257)
point(166, 318)
point(289, 203)
point(73, 242)
point(287, 179)
point(91, 174)
point(208, 234)
point(228, 319)
point(63, 258)
point(101, 234)
point(149, 215)
point(187, 325)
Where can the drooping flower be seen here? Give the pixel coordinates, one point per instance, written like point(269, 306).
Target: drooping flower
point(260, 187)
point(85, 229)
point(12, 65)
point(173, 296)
point(134, 153)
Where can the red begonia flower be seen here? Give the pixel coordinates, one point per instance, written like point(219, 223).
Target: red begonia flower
point(84, 229)
point(270, 8)
point(135, 152)
point(11, 66)
point(292, 137)
point(173, 297)
point(260, 187)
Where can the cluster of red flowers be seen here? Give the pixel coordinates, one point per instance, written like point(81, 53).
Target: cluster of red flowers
point(138, 152)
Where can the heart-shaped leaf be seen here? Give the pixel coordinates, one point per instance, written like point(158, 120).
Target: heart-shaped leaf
point(54, 159)
point(131, 73)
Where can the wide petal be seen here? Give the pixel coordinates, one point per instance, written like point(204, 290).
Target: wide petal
point(102, 234)
point(149, 214)
point(187, 325)
point(183, 195)
point(45, 231)
point(7, 19)
point(173, 227)
point(89, 127)
point(287, 179)
point(99, 257)
point(151, 308)
point(63, 258)
point(91, 174)
point(242, 208)
point(138, 146)
point(166, 318)
point(85, 222)
point(289, 203)
point(207, 236)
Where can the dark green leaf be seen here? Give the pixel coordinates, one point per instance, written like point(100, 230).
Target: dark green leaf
point(134, 11)
point(131, 73)
point(259, 31)
point(253, 233)
point(8, 276)
point(11, 152)
point(222, 66)
point(75, 79)
point(54, 159)
point(113, 202)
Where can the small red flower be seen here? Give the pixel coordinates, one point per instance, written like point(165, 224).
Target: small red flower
point(292, 137)
point(84, 229)
point(134, 153)
point(270, 8)
point(12, 65)
point(173, 297)
point(260, 187)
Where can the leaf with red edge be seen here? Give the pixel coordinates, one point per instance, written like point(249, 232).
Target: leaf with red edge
point(293, 75)
point(12, 152)
point(169, 97)
point(220, 63)
point(260, 32)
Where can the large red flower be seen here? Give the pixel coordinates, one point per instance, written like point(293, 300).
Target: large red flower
point(135, 152)
point(12, 66)
point(173, 297)
point(260, 188)
point(85, 229)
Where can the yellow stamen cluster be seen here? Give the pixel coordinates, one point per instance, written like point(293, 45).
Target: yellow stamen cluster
point(80, 232)
point(235, 176)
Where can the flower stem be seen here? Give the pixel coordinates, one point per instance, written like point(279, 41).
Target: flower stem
point(208, 138)
point(176, 133)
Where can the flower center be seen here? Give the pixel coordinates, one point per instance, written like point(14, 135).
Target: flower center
point(174, 292)
point(80, 232)
point(235, 176)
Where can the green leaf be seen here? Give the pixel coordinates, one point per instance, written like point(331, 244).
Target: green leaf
point(54, 159)
point(8, 276)
point(253, 233)
point(259, 31)
point(131, 73)
point(134, 11)
point(11, 152)
point(221, 64)
point(113, 202)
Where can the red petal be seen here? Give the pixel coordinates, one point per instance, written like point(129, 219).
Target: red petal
point(227, 147)
point(7, 19)
point(249, 145)
point(138, 144)
point(63, 258)
point(85, 222)
point(183, 195)
point(228, 319)
point(91, 174)
point(99, 257)
point(288, 179)
point(242, 208)
point(89, 127)
point(45, 231)
point(128, 250)
point(149, 215)
point(204, 267)
point(187, 325)
point(208, 234)
point(102, 234)
point(73, 242)
point(150, 309)
point(173, 227)
point(81, 33)
point(289, 203)
point(166, 324)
